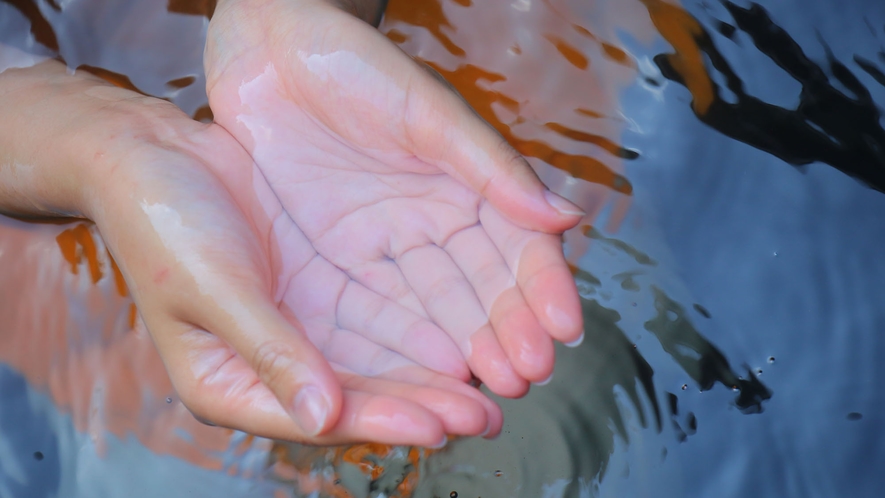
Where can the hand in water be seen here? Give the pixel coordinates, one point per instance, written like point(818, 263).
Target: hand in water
point(405, 207)
point(209, 255)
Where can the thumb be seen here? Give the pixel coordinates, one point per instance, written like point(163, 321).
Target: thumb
point(278, 350)
point(445, 131)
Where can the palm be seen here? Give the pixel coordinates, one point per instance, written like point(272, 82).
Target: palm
point(409, 257)
point(245, 261)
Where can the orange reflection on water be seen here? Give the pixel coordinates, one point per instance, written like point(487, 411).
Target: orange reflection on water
point(681, 30)
point(66, 322)
point(487, 84)
point(299, 464)
point(547, 76)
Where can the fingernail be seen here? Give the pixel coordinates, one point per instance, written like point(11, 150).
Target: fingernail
point(545, 381)
point(562, 205)
point(488, 429)
point(440, 445)
point(577, 342)
point(311, 410)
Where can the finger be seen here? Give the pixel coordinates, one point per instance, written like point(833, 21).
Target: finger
point(278, 351)
point(339, 299)
point(424, 377)
point(366, 358)
point(442, 288)
point(526, 343)
point(541, 273)
point(444, 131)
point(219, 386)
point(460, 415)
point(387, 324)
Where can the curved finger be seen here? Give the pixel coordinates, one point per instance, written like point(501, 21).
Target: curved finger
point(424, 377)
point(219, 386)
point(444, 131)
point(541, 272)
point(390, 325)
point(452, 304)
point(460, 415)
point(369, 360)
point(527, 344)
point(274, 346)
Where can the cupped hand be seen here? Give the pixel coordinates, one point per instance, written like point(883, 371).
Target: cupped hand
point(217, 269)
point(415, 211)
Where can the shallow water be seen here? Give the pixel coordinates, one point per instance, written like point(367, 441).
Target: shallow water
point(728, 264)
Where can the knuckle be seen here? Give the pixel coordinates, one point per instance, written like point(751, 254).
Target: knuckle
point(272, 361)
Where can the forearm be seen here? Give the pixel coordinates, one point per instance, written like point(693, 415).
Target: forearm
point(42, 163)
point(370, 11)
point(60, 135)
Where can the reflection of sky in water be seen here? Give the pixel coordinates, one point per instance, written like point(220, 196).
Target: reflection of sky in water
point(787, 263)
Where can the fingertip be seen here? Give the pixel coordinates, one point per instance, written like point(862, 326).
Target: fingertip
point(564, 207)
point(401, 422)
point(564, 320)
point(577, 342)
point(526, 343)
point(444, 440)
point(312, 410)
point(545, 381)
point(491, 365)
point(534, 207)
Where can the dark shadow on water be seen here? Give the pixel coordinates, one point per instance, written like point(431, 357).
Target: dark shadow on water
point(700, 359)
point(828, 126)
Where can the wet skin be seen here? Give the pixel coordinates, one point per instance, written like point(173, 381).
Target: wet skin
point(264, 307)
point(360, 143)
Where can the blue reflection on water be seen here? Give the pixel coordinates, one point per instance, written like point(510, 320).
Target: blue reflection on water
point(788, 262)
point(790, 265)
point(29, 454)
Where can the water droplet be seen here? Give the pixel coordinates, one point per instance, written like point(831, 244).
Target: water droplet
point(453, 494)
point(771, 359)
point(498, 473)
point(684, 386)
point(168, 400)
point(38, 455)
point(775, 254)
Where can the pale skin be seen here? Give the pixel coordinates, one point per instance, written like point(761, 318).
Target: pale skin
point(331, 260)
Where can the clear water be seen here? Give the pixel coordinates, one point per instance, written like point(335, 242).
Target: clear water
point(723, 263)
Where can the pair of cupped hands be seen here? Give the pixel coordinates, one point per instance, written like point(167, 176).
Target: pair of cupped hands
point(345, 251)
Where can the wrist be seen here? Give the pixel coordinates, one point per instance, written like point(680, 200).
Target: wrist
point(63, 136)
